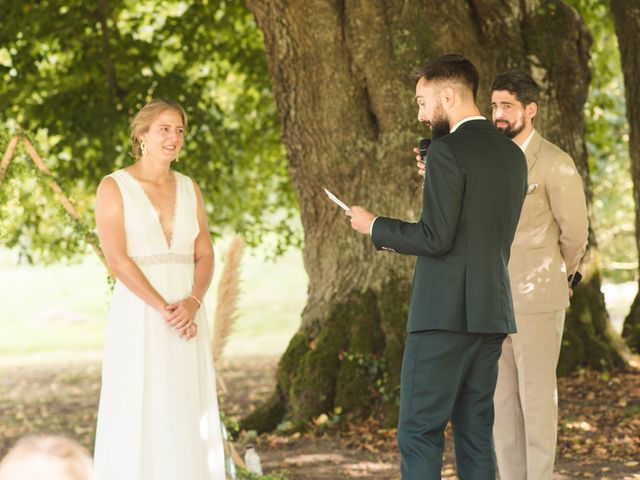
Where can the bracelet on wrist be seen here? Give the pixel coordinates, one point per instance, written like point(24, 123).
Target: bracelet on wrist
point(196, 299)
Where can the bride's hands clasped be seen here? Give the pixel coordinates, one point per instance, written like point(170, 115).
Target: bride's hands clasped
point(181, 316)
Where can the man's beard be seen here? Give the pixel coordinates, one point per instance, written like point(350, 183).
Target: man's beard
point(440, 124)
point(510, 131)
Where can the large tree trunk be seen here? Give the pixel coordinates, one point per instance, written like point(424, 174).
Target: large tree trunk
point(626, 17)
point(342, 78)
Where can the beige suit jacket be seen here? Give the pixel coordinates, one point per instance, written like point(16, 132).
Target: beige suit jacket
point(551, 237)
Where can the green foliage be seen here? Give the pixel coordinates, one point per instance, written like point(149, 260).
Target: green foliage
point(32, 218)
point(375, 371)
point(73, 73)
point(588, 338)
point(244, 475)
point(631, 329)
point(607, 132)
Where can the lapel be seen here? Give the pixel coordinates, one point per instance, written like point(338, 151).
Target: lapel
point(533, 149)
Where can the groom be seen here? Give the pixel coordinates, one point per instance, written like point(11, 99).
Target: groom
point(461, 308)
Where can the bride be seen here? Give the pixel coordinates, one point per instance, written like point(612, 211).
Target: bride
point(158, 417)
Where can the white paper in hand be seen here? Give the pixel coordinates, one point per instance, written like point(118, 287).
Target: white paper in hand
point(336, 200)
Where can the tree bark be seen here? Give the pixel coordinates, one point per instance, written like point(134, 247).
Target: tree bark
point(626, 17)
point(342, 75)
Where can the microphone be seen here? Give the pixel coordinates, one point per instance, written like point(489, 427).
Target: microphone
point(575, 279)
point(422, 148)
point(424, 145)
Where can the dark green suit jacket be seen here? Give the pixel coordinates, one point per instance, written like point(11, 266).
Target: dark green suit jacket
point(475, 186)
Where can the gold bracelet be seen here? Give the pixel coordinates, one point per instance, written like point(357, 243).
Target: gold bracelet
point(196, 299)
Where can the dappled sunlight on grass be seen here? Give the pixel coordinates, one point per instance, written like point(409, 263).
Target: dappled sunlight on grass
point(53, 308)
point(63, 308)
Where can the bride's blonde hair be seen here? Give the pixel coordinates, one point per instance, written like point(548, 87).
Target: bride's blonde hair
point(145, 117)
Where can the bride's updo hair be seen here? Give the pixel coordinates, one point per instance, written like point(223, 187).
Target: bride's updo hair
point(145, 117)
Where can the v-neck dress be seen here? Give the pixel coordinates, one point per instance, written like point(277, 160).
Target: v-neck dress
point(158, 417)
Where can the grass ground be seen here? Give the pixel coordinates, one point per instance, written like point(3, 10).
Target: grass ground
point(62, 309)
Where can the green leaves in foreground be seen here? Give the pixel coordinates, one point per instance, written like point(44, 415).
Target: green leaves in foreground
point(72, 75)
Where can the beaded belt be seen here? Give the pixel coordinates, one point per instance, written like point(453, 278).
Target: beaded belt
point(164, 259)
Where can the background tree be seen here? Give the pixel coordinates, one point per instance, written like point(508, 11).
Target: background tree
point(588, 332)
point(626, 14)
point(74, 72)
point(342, 79)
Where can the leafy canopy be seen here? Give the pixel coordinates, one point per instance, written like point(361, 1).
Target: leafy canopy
point(74, 72)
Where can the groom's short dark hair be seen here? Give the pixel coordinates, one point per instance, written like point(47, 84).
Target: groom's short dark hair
point(451, 67)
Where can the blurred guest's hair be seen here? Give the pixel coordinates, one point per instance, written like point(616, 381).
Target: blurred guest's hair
point(47, 457)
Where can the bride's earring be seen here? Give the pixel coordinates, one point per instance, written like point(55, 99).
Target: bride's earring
point(143, 148)
point(178, 158)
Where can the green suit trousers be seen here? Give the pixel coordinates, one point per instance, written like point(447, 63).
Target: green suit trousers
point(448, 375)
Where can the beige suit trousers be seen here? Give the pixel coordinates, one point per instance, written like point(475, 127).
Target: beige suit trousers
point(526, 398)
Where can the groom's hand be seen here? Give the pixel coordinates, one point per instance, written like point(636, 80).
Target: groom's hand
point(420, 163)
point(361, 219)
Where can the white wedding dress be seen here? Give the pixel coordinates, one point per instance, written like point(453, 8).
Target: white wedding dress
point(158, 417)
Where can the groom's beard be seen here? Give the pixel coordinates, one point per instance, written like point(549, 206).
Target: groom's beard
point(440, 124)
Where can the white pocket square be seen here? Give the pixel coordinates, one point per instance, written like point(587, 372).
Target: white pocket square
point(531, 187)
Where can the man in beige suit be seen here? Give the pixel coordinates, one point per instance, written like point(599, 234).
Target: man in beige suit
point(550, 240)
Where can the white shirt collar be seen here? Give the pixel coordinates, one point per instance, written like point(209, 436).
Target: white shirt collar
point(526, 143)
point(466, 119)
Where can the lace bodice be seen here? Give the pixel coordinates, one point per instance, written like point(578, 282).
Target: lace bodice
point(145, 237)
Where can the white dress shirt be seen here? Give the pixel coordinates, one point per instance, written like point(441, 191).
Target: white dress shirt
point(526, 143)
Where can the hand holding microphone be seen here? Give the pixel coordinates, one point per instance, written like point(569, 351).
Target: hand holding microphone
point(421, 155)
